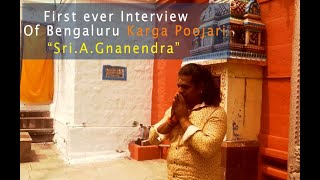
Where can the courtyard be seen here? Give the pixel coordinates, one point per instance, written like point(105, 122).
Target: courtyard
point(45, 164)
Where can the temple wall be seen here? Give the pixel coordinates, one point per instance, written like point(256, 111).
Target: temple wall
point(94, 117)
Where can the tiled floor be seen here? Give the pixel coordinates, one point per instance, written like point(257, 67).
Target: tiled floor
point(47, 165)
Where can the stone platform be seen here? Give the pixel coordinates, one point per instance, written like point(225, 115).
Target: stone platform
point(25, 146)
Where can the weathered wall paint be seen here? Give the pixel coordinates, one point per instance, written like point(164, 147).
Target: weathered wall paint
point(164, 86)
point(62, 108)
point(278, 15)
point(94, 117)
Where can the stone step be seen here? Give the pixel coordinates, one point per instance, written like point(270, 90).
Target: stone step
point(40, 135)
point(36, 122)
point(38, 131)
point(34, 113)
point(25, 146)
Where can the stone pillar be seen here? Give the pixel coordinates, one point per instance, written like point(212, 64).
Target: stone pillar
point(243, 98)
point(241, 88)
point(294, 122)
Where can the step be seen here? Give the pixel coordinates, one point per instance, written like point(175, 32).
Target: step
point(274, 172)
point(25, 146)
point(36, 122)
point(38, 131)
point(34, 113)
point(40, 135)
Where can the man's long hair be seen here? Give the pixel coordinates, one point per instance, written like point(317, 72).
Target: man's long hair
point(211, 94)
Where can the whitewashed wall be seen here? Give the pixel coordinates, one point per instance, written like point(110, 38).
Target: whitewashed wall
point(62, 108)
point(94, 117)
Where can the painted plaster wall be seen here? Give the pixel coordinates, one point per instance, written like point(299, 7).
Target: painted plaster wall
point(62, 108)
point(104, 110)
point(93, 117)
point(164, 86)
point(278, 15)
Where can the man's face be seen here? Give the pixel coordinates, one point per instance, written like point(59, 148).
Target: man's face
point(188, 90)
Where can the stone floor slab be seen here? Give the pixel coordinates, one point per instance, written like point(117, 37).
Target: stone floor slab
point(47, 165)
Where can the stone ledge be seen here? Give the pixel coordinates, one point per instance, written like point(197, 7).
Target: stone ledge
point(40, 135)
point(141, 153)
point(34, 113)
point(36, 122)
point(25, 146)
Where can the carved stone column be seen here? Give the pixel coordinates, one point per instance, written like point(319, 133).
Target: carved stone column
point(294, 129)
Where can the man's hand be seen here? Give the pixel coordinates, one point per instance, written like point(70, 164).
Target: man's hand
point(180, 107)
point(173, 120)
